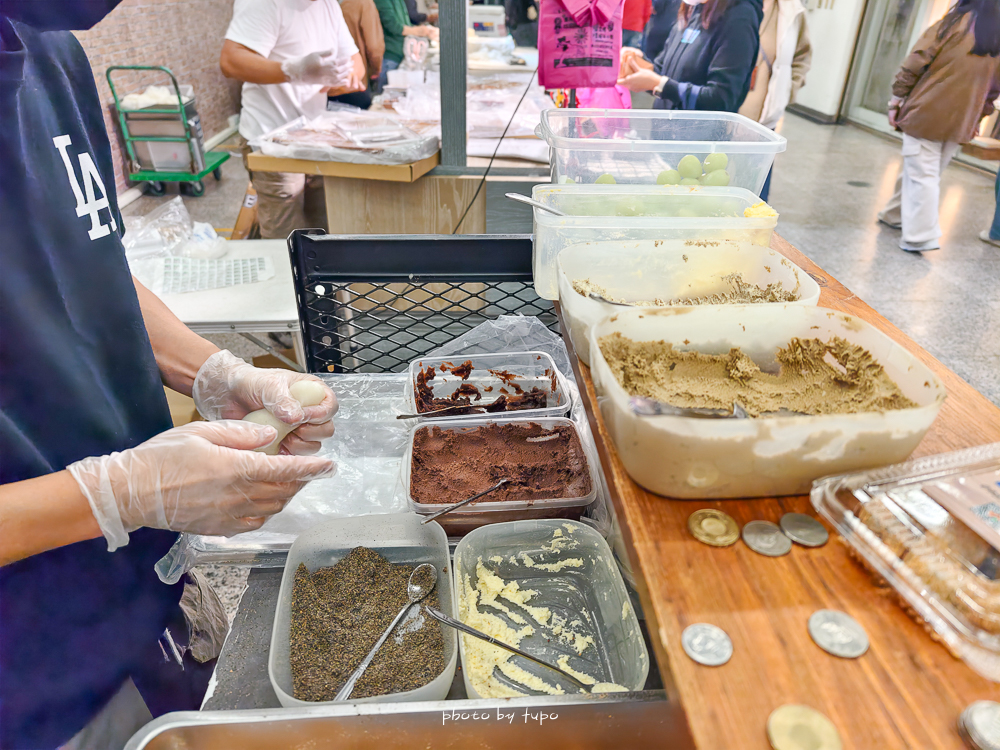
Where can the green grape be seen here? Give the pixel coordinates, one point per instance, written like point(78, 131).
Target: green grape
point(668, 177)
point(716, 161)
point(689, 166)
point(690, 181)
point(717, 178)
point(605, 179)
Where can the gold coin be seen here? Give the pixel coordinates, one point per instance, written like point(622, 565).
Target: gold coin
point(713, 527)
point(801, 728)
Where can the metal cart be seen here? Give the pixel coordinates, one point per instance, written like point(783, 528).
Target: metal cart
point(143, 128)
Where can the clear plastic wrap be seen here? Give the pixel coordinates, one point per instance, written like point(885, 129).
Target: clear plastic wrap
point(931, 529)
point(351, 135)
point(368, 448)
point(168, 230)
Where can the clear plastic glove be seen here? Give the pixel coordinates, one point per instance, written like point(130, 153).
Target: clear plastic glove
point(202, 478)
point(226, 387)
point(316, 67)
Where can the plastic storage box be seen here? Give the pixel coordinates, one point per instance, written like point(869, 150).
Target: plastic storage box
point(671, 216)
point(931, 528)
point(592, 598)
point(530, 370)
point(689, 458)
point(400, 538)
point(484, 511)
point(647, 270)
point(635, 146)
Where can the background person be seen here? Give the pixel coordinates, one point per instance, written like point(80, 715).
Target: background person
point(288, 55)
point(635, 15)
point(661, 22)
point(361, 17)
point(707, 60)
point(396, 25)
point(782, 63)
point(94, 481)
point(943, 89)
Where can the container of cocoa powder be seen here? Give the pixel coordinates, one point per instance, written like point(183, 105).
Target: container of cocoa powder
point(549, 465)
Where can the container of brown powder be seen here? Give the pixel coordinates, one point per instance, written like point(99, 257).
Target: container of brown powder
point(651, 273)
point(549, 466)
point(827, 393)
point(323, 623)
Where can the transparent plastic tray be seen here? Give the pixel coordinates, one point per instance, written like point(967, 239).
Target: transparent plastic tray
point(650, 270)
point(401, 539)
point(484, 512)
point(668, 215)
point(592, 598)
point(693, 458)
point(530, 370)
point(634, 146)
point(931, 528)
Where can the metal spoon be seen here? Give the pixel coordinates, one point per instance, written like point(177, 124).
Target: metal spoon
point(422, 581)
point(456, 506)
point(531, 202)
point(458, 625)
point(648, 407)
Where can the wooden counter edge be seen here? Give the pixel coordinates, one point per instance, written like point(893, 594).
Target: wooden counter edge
point(384, 172)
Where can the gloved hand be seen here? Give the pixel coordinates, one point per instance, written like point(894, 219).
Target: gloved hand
point(317, 67)
point(226, 387)
point(203, 478)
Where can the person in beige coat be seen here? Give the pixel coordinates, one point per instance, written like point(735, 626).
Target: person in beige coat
point(941, 92)
point(783, 60)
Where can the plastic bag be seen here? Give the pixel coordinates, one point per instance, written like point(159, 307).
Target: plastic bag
point(168, 230)
point(571, 55)
point(612, 97)
point(367, 447)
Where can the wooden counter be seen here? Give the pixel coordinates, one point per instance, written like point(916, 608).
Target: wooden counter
point(905, 693)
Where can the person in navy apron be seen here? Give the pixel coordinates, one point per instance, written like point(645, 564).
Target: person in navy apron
point(706, 62)
point(94, 482)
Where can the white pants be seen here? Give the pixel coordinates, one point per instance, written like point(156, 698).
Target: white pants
point(914, 204)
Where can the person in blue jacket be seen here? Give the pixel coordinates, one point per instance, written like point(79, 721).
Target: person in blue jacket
point(706, 62)
point(94, 482)
point(660, 24)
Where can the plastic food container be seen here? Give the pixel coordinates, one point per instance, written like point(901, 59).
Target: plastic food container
point(651, 270)
point(634, 146)
point(693, 458)
point(931, 528)
point(592, 597)
point(671, 216)
point(530, 370)
point(484, 512)
point(400, 538)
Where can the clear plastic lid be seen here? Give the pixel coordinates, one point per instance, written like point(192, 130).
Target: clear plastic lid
point(931, 528)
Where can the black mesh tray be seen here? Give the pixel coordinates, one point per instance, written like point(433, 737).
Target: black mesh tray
point(373, 303)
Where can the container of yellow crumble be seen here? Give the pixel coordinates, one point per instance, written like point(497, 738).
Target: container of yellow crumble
point(817, 392)
point(552, 589)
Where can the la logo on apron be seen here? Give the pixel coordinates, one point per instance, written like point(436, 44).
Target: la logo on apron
point(87, 202)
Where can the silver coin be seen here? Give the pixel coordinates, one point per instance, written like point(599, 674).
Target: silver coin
point(804, 530)
point(766, 538)
point(838, 633)
point(707, 644)
point(979, 725)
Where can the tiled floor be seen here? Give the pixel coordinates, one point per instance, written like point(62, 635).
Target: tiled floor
point(947, 300)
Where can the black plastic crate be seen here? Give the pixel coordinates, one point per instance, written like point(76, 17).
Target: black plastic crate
point(373, 303)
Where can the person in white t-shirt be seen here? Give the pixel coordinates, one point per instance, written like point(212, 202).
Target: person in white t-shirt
point(290, 54)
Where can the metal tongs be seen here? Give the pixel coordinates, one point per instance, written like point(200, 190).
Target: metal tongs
point(468, 500)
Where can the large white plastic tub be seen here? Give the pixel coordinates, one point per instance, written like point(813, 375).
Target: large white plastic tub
point(634, 146)
point(592, 596)
point(398, 537)
point(665, 214)
point(692, 458)
point(650, 270)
